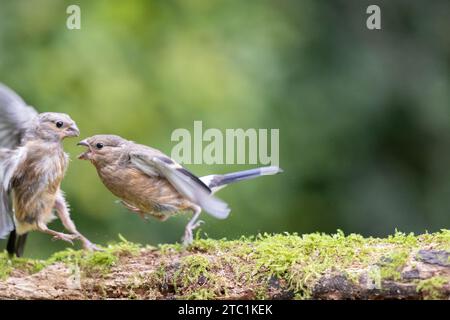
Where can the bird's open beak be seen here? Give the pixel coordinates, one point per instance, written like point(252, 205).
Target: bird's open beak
point(84, 155)
point(73, 131)
point(83, 143)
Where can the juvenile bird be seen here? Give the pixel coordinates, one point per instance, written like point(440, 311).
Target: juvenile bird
point(32, 166)
point(151, 184)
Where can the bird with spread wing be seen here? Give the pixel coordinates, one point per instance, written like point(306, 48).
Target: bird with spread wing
point(32, 166)
point(151, 184)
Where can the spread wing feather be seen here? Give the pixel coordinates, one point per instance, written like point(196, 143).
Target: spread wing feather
point(9, 160)
point(15, 116)
point(182, 180)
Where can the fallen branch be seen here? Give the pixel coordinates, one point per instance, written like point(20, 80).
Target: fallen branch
point(313, 266)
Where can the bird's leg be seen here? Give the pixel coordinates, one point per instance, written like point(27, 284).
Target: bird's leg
point(63, 213)
point(56, 235)
point(192, 224)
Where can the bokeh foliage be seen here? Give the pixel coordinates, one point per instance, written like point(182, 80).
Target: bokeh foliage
point(364, 116)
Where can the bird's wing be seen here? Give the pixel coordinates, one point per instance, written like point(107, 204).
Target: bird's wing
point(9, 160)
point(187, 184)
point(15, 115)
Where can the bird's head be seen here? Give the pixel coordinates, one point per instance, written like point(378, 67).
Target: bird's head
point(51, 126)
point(102, 148)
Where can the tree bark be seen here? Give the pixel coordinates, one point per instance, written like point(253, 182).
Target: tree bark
point(269, 268)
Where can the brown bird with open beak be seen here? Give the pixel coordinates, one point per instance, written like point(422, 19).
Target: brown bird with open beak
point(151, 184)
point(32, 166)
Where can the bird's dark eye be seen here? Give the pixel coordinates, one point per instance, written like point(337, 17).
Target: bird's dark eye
point(59, 124)
point(99, 145)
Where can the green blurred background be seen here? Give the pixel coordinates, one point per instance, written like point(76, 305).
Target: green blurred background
point(364, 116)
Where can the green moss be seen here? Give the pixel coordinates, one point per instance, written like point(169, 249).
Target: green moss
point(205, 269)
point(96, 261)
point(89, 262)
point(403, 239)
point(391, 266)
point(302, 260)
point(374, 277)
point(430, 288)
point(125, 247)
point(166, 249)
point(215, 245)
point(7, 265)
point(192, 267)
point(99, 261)
point(261, 293)
point(200, 294)
point(195, 278)
point(439, 240)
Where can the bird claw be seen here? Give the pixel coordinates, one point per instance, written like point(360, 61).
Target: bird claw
point(198, 224)
point(89, 246)
point(188, 233)
point(187, 238)
point(65, 237)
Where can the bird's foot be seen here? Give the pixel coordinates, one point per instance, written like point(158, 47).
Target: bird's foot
point(188, 237)
point(64, 237)
point(198, 224)
point(89, 246)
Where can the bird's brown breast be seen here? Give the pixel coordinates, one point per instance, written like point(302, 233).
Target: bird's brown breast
point(37, 181)
point(151, 195)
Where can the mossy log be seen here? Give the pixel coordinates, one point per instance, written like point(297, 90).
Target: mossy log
point(312, 266)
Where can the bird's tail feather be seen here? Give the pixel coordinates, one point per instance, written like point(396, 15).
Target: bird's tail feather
point(217, 182)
